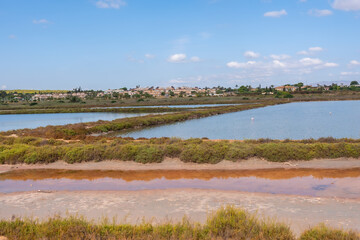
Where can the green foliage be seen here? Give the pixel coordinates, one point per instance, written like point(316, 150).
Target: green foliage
point(74, 99)
point(37, 150)
point(323, 232)
point(226, 223)
point(283, 94)
point(234, 223)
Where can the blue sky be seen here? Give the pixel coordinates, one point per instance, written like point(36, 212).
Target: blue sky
point(101, 44)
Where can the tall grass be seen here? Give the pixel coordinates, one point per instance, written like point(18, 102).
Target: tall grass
point(226, 223)
point(323, 232)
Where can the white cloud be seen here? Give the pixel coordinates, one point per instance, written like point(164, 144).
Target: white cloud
point(346, 5)
point(149, 56)
point(195, 59)
point(320, 13)
point(12, 36)
point(316, 49)
point(329, 64)
point(3, 87)
point(176, 58)
point(310, 61)
point(251, 54)
point(40, 21)
point(354, 62)
point(241, 64)
point(303, 53)
point(311, 50)
point(276, 13)
point(349, 73)
point(277, 64)
point(279, 57)
point(116, 4)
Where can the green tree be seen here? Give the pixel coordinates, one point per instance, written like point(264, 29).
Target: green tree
point(244, 89)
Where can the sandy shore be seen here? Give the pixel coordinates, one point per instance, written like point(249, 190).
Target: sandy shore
point(171, 205)
point(176, 164)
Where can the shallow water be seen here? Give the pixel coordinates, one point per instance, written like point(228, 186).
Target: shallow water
point(175, 106)
point(19, 121)
point(343, 183)
point(301, 120)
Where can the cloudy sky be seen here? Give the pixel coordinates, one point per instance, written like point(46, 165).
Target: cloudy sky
point(101, 44)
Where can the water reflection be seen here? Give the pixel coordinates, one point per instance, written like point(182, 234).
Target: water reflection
point(176, 106)
point(19, 121)
point(311, 182)
point(301, 120)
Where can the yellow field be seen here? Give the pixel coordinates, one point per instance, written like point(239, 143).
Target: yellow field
point(36, 91)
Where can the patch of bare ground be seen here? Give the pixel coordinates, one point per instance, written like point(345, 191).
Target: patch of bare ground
point(177, 164)
point(158, 206)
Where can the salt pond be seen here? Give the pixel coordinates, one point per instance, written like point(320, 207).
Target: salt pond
point(19, 121)
point(300, 120)
point(344, 183)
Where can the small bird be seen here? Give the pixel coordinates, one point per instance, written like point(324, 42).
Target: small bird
point(252, 119)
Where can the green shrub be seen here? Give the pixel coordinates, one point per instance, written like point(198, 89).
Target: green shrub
point(227, 223)
point(326, 233)
point(149, 154)
point(234, 223)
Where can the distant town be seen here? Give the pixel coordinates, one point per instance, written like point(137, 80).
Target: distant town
point(78, 94)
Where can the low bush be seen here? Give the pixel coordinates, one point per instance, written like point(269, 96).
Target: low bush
point(226, 223)
point(37, 150)
point(323, 232)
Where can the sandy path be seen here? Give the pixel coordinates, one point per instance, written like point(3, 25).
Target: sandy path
point(176, 164)
point(131, 206)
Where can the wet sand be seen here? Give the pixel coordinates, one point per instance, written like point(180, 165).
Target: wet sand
point(342, 183)
point(171, 205)
point(177, 164)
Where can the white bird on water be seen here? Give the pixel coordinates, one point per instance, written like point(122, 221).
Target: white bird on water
point(252, 119)
point(330, 113)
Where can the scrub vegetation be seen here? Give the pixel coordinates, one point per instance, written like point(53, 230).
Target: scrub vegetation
point(30, 150)
point(226, 223)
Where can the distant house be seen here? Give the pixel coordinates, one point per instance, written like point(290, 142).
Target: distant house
point(286, 88)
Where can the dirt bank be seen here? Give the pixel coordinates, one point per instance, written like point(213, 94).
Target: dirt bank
point(163, 205)
point(176, 164)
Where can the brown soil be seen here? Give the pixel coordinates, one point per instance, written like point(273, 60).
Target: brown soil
point(176, 164)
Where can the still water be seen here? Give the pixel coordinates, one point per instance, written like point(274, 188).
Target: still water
point(343, 183)
point(175, 106)
point(19, 121)
point(301, 120)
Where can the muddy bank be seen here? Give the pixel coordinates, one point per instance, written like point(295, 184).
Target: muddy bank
point(149, 175)
point(171, 205)
point(176, 164)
